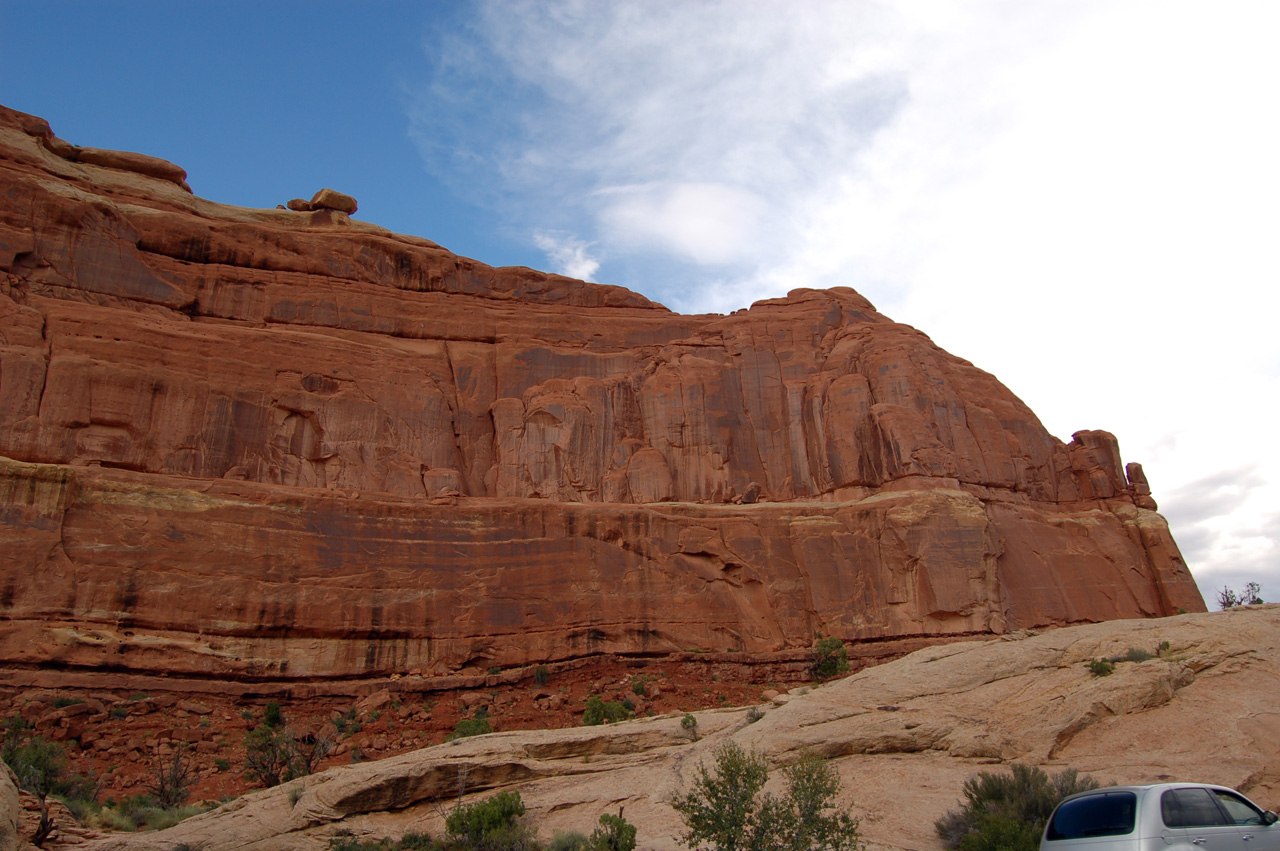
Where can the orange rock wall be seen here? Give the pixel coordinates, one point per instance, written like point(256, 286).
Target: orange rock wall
point(277, 443)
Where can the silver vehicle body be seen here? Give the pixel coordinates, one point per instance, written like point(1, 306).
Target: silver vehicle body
point(1164, 817)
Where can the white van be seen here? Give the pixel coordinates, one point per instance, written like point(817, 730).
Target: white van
point(1164, 817)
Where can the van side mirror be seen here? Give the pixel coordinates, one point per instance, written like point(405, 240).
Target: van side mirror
point(1269, 818)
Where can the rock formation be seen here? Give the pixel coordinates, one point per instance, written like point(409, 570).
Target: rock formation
point(904, 736)
point(268, 444)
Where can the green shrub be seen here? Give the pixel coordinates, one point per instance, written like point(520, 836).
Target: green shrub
point(1007, 812)
point(568, 841)
point(726, 811)
point(541, 675)
point(41, 769)
point(690, 726)
point(344, 840)
point(346, 723)
point(476, 824)
point(1101, 667)
point(614, 834)
point(160, 818)
point(414, 841)
point(1137, 654)
point(477, 726)
point(60, 702)
point(142, 811)
point(599, 712)
point(829, 659)
point(996, 833)
point(271, 716)
point(271, 755)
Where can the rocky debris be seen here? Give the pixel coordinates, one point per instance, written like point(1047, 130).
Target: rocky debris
point(366, 720)
point(904, 737)
point(325, 199)
point(371, 456)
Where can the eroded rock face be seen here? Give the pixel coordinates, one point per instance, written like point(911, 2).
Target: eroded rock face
point(264, 443)
point(904, 736)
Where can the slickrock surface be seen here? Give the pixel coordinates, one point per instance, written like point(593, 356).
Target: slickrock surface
point(904, 736)
point(277, 444)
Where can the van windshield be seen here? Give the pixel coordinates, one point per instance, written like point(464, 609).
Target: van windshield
point(1108, 814)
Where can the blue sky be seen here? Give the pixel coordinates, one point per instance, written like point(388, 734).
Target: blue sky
point(1077, 195)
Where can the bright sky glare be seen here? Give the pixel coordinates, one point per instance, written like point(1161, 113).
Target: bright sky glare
point(1079, 196)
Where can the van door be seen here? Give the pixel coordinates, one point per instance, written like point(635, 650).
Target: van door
point(1250, 821)
point(1195, 821)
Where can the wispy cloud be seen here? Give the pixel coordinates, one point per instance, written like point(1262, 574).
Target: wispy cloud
point(1077, 196)
point(567, 254)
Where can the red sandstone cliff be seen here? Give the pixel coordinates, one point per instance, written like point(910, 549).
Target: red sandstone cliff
point(269, 443)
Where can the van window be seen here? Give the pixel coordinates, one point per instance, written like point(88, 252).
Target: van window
point(1108, 814)
point(1190, 808)
point(1238, 809)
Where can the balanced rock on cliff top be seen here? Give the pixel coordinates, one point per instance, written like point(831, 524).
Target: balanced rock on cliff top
point(904, 737)
point(325, 199)
point(231, 439)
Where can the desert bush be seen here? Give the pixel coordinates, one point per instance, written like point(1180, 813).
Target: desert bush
point(477, 726)
point(754, 714)
point(726, 811)
point(346, 723)
point(41, 769)
point(272, 716)
point(614, 834)
point(1101, 667)
point(161, 818)
point(690, 726)
point(490, 824)
point(541, 675)
point(568, 841)
point(599, 712)
point(1007, 812)
point(170, 779)
point(269, 757)
point(829, 658)
point(1250, 596)
point(1137, 654)
point(139, 811)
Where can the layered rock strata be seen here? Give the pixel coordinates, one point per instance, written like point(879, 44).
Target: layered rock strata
point(904, 737)
point(290, 444)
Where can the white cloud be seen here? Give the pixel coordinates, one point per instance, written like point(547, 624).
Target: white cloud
point(567, 254)
point(706, 223)
point(1079, 197)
